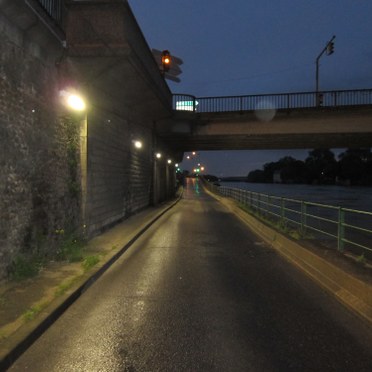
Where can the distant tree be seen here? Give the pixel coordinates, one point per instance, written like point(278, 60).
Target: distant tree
point(210, 178)
point(293, 171)
point(256, 176)
point(269, 170)
point(355, 165)
point(321, 166)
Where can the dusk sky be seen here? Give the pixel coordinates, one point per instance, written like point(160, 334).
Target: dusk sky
point(238, 47)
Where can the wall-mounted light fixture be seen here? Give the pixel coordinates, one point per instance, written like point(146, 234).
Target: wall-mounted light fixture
point(137, 144)
point(73, 100)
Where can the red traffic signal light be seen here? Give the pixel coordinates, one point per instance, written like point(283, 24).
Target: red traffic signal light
point(166, 60)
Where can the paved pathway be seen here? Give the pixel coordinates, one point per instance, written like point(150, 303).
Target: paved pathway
point(199, 292)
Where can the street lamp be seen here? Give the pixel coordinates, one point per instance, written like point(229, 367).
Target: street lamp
point(137, 144)
point(72, 100)
point(329, 48)
point(76, 102)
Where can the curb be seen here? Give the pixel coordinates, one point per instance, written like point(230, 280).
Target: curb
point(32, 332)
point(351, 292)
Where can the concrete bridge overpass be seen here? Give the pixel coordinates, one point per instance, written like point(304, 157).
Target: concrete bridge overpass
point(271, 121)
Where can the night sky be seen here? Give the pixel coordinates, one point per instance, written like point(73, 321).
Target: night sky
point(236, 47)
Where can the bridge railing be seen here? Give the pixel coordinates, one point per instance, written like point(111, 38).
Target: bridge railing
point(287, 101)
point(336, 227)
point(54, 8)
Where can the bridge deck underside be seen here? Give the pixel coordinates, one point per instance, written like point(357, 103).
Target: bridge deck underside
point(325, 128)
point(279, 141)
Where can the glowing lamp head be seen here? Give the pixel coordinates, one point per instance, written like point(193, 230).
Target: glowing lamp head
point(138, 144)
point(169, 161)
point(75, 102)
point(158, 155)
point(72, 100)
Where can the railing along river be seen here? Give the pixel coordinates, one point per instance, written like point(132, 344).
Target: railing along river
point(336, 227)
point(282, 101)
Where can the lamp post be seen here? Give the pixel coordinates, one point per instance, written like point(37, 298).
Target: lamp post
point(76, 103)
point(329, 48)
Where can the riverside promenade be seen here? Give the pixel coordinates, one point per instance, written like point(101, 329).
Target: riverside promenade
point(187, 287)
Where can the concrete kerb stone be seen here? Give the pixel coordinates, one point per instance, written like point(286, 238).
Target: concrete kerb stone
point(31, 331)
point(353, 293)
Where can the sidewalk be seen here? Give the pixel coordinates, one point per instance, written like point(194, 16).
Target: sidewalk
point(29, 307)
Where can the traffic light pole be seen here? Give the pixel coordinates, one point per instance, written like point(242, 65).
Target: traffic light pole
point(329, 49)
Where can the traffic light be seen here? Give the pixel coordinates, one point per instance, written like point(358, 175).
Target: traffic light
point(330, 48)
point(166, 60)
point(169, 65)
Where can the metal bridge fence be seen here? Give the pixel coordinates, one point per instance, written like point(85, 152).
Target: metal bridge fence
point(54, 9)
point(335, 227)
point(282, 101)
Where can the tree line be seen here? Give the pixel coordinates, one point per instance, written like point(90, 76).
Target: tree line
point(353, 167)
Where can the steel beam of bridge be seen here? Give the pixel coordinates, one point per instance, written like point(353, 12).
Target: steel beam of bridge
point(284, 121)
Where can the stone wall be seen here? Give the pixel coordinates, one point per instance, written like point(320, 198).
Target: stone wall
point(62, 171)
point(36, 182)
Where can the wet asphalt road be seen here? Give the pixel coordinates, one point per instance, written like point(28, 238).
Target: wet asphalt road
point(199, 292)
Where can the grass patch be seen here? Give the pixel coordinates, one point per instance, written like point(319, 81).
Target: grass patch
point(71, 249)
point(295, 234)
point(89, 262)
point(33, 311)
point(64, 287)
point(361, 259)
point(279, 225)
point(2, 301)
point(24, 268)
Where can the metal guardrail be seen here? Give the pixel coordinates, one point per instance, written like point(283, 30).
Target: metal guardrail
point(54, 8)
point(287, 101)
point(337, 227)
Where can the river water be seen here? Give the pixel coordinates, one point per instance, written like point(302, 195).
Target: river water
point(354, 198)
point(359, 198)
